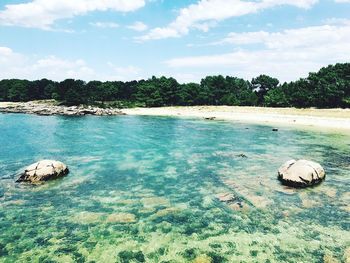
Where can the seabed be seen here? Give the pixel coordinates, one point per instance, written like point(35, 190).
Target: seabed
point(147, 189)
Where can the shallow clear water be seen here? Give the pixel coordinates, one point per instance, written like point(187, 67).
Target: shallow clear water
point(144, 189)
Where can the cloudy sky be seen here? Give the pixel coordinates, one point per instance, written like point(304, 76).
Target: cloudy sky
point(187, 39)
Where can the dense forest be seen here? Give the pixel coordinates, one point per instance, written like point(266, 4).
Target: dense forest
point(328, 88)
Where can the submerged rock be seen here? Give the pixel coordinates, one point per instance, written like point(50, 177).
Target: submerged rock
point(242, 155)
point(346, 256)
point(247, 193)
point(121, 218)
point(151, 202)
point(43, 171)
point(301, 173)
point(328, 258)
point(226, 197)
point(307, 202)
point(87, 217)
point(167, 211)
point(234, 202)
point(203, 259)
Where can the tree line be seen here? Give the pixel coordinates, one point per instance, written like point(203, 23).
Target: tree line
point(327, 88)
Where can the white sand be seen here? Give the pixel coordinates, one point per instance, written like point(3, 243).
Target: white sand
point(330, 119)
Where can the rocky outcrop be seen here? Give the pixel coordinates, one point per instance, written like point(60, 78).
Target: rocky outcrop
point(43, 171)
point(47, 109)
point(233, 201)
point(242, 155)
point(301, 173)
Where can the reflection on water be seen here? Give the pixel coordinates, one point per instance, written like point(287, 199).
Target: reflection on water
point(147, 189)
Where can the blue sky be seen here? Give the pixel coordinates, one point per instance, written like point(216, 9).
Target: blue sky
point(188, 39)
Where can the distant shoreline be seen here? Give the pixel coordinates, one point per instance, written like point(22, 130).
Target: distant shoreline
point(47, 108)
point(328, 119)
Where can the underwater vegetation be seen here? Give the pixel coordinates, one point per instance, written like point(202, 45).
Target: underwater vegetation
point(149, 189)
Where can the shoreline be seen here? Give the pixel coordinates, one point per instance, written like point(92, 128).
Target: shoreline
point(48, 108)
point(329, 119)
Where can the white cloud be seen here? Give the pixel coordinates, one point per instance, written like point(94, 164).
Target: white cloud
point(288, 55)
point(303, 37)
point(336, 21)
point(56, 68)
point(5, 51)
point(124, 73)
point(138, 26)
point(43, 13)
point(104, 24)
point(9, 60)
point(16, 65)
point(205, 12)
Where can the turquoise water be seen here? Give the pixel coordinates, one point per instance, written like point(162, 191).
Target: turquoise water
point(144, 189)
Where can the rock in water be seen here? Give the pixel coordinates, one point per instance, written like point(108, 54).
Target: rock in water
point(301, 173)
point(43, 171)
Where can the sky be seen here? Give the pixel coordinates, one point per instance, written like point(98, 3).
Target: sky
point(187, 39)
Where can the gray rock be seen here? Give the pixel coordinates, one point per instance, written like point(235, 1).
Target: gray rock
point(46, 109)
point(226, 197)
point(43, 171)
point(301, 173)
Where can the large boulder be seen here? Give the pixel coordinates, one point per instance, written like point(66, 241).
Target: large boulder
point(43, 171)
point(301, 173)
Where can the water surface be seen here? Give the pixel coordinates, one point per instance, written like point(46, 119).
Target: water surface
point(145, 189)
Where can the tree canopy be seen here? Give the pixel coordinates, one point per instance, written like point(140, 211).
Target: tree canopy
point(327, 88)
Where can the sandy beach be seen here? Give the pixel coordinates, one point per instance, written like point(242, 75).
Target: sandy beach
point(329, 119)
point(337, 119)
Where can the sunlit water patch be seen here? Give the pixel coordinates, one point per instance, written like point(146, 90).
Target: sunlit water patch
point(147, 189)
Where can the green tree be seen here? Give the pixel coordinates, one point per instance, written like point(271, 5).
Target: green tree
point(169, 90)
point(189, 94)
point(262, 84)
point(19, 90)
point(213, 89)
point(4, 89)
point(75, 92)
point(329, 87)
point(241, 92)
point(277, 97)
point(105, 92)
point(149, 94)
